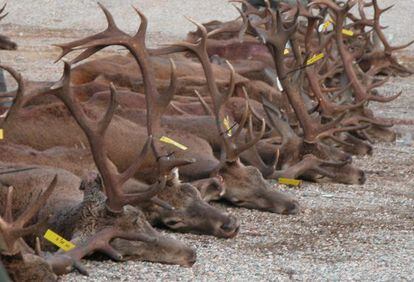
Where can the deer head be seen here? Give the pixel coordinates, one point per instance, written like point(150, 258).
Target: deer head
point(122, 221)
point(189, 211)
point(244, 186)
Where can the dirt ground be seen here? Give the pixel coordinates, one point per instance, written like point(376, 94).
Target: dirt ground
point(344, 232)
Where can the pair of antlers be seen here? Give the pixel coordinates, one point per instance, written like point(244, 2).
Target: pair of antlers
point(95, 131)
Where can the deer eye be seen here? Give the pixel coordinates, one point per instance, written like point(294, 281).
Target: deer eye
point(173, 223)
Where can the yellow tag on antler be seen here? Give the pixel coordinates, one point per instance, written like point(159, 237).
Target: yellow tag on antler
point(326, 24)
point(288, 181)
point(172, 142)
point(58, 241)
point(1, 134)
point(329, 22)
point(348, 32)
point(286, 52)
point(226, 123)
point(315, 58)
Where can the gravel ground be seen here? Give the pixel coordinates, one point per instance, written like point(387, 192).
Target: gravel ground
point(343, 233)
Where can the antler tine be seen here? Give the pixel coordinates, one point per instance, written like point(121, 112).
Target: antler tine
point(167, 96)
point(257, 159)
point(13, 231)
point(142, 30)
point(136, 164)
point(66, 96)
point(358, 118)
point(109, 18)
point(166, 164)
point(18, 100)
point(333, 6)
point(95, 131)
point(33, 209)
point(308, 163)
point(62, 263)
point(277, 123)
point(327, 108)
point(242, 122)
point(9, 204)
point(3, 8)
point(203, 103)
point(377, 14)
point(199, 49)
point(245, 24)
point(304, 12)
point(253, 141)
point(110, 31)
point(250, 9)
point(103, 124)
point(382, 99)
point(232, 83)
point(224, 29)
point(330, 133)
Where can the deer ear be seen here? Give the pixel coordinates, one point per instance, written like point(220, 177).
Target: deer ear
point(211, 190)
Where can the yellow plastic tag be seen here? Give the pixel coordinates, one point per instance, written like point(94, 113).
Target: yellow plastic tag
point(286, 52)
point(1, 134)
point(172, 142)
point(226, 123)
point(348, 32)
point(326, 24)
point(315, 58)
point(58, 241)
point(288, 181)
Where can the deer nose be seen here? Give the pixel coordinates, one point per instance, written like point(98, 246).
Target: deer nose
point(369, 150)
point(191, 259)
point(292, 208)
point(362, 177)
point(230, 228)
point(348, 159)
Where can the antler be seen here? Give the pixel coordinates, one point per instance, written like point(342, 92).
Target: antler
point(17, 103)
point(12, 231)
point(230, 151)
point(361, 92)
point(5, 42)
point(326, 107)
point(155, 102)
point(95, 132)
point(276, 38)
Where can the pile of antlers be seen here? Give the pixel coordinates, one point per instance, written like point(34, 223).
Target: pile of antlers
point(281, 92)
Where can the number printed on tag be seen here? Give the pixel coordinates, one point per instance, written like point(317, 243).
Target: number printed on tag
point(58, 241)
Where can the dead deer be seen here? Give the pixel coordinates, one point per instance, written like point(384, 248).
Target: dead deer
point(118, 222)
point(278, 203)
point(20, 260)
point(194, 214)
